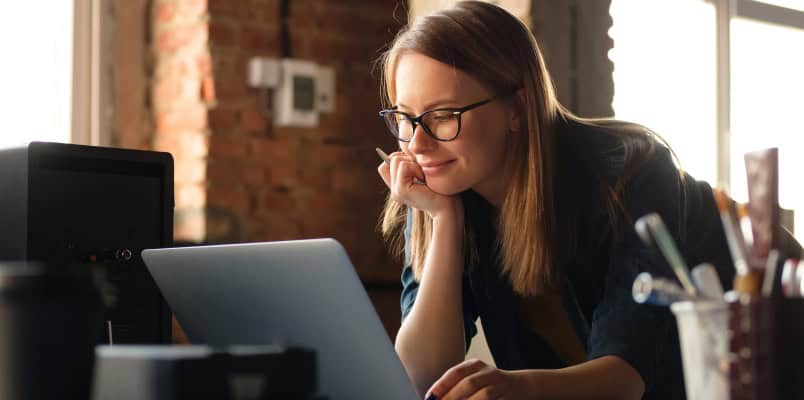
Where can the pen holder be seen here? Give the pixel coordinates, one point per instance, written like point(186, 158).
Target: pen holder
point(765, 348)
point(702, 331)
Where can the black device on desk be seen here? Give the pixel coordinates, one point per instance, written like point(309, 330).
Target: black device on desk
point(72, 204)
point(200, 372)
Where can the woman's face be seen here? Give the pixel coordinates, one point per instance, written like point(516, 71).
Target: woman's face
point(474, 159)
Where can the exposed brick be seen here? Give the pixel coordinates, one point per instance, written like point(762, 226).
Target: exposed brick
point(190, 196)
point(179, 90)
point(283, 175)
point(225, 8)
point(323, 201)
point(335, 155)
point(182, 145)
point(208, 90)
point(273, 225)
point(204, 62)
point(319, 224)
point(223, 32)
point(190, 117)
point(165, 11)
point(190, 171)
point(351, 180)
point(222, 119)
point(228, 197)
point(315, 177)
point(189, 225)
point(271, 199)
point(177, 68)
point(182, 36)
point(236, 170)
point(223, 225)
point(253, 120)
point(260, 38)
point(229, 67)
point(228, 146)
point(280, 151)
point(192, 8)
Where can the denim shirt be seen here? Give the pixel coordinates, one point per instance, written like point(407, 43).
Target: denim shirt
point(596, 281)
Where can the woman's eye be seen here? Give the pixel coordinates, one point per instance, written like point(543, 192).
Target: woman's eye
point(442, 117)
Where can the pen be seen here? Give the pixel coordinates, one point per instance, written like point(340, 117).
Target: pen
point(651, 230)
point(387, 160)
point(790, 287)
point(746, 280)
point(382, 155)
point(770, 273)
point(657, 291)
point(707, 281)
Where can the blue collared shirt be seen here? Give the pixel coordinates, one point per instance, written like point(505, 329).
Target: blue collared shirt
point(596, 281)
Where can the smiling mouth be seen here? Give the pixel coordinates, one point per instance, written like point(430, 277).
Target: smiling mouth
point(431, 169)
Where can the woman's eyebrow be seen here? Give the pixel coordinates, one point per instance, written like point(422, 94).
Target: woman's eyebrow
point(431, 105)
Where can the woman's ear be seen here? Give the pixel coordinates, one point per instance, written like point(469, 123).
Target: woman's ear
point(516, 115)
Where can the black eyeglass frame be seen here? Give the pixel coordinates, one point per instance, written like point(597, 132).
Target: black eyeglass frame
point(418, 120)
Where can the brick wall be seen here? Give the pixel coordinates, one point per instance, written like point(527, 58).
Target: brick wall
point(182, 90)
point(268, 183)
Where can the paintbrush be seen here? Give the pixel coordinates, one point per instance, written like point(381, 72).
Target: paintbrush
point(746, 280)
point(651, 230)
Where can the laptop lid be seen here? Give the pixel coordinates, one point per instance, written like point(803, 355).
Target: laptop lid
point(304, 293)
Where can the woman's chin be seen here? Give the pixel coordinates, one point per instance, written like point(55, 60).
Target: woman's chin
point(443, 188)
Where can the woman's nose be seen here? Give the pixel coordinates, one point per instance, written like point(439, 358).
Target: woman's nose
point(420, 141)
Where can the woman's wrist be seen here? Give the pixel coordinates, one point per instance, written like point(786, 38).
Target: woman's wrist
point(529, 383)
point(452, 213)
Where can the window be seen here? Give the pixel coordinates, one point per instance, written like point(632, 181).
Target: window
point(664, 77)
point(717, 79)
point(519, 8)
point(767, 82)
point(36, 73)
point(50, 72)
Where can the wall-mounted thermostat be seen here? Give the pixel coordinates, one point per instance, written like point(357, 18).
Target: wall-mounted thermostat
point(294, 98)
point(302, 89)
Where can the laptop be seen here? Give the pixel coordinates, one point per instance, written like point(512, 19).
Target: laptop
point(298, 293)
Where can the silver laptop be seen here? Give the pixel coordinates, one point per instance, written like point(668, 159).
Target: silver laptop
point(304, 293)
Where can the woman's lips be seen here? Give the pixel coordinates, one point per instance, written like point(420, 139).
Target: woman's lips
point(434, 168)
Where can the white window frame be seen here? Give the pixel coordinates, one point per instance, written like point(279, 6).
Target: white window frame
point(89, 127)
point(726, 10)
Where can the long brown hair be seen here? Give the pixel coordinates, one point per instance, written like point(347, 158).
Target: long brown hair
point(494, 47)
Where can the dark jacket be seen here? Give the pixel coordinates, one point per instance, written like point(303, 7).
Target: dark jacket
point(596, 279)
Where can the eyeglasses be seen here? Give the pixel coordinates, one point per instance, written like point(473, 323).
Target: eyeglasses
point(443, 124)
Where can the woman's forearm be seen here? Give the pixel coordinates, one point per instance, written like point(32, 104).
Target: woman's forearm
point(431, 339)
point(608, 377)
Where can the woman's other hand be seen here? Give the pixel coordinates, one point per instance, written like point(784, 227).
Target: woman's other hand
point(475, 380)
point(406, 180)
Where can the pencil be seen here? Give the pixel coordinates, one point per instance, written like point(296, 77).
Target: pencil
point(382, 155)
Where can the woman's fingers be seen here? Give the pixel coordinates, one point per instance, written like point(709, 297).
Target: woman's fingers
point(403, 174)
point(454, 375)
point(387, 170)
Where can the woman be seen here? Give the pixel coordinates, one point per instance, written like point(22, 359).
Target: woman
point(512, 210)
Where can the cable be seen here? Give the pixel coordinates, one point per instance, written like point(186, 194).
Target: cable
point(284, 29)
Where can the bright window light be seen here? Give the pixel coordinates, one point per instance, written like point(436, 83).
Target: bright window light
point(664, 75)
point(767, 82)
point(36, 72)
point(794, 4)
